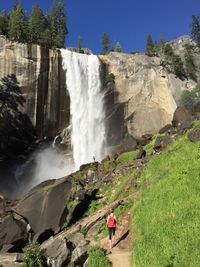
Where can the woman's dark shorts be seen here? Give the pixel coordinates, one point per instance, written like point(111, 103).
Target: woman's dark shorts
point(111, 231)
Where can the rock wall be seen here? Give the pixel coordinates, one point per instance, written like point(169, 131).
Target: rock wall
point(144, 92)
point(141, 101)
point(42, 82)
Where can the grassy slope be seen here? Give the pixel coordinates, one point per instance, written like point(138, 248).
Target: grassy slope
point(166, 215)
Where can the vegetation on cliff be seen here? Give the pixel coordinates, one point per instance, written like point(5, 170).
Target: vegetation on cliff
point(16, 130)
point(47, 30)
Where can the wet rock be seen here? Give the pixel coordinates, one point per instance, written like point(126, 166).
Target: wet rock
point(194, 135)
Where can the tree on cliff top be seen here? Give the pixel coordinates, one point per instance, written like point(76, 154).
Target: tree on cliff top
point(149, 46)
point(118, 47)
point(195, 29)
point(17, 24)
point(3, 23)
point(105, 41)
point(57, 23)
point(36, 25)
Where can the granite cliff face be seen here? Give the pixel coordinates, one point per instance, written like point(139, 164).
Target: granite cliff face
point(144, 91)
point(142, 100)
point(40, 76)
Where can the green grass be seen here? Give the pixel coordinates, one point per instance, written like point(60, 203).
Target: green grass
point(97, 258)
point(125, 158)
point(166, 215)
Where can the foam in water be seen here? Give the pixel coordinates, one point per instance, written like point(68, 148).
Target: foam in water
point(88, 136)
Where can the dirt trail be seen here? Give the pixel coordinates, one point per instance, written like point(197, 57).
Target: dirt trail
point(120, 254)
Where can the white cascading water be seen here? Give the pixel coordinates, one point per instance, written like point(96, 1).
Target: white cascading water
point(88, 135)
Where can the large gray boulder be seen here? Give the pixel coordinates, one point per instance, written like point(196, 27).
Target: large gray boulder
point(194, 135)
point(45, 207)
point(13, 234)
point(181, 115)
point(57, 252)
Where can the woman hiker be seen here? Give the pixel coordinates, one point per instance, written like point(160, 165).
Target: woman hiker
point(111, 224)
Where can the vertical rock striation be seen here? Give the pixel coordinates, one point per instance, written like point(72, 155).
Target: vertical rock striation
point(42, 81)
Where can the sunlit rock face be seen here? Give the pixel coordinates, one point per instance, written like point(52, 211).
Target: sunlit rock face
point(40, 76)
point(146, 92)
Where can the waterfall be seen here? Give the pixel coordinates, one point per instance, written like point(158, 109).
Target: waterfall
point(88, 136)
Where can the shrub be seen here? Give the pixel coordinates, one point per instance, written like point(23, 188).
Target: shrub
point(110, 78)
point(34, 257)
point(189, 98)
point(97, 258)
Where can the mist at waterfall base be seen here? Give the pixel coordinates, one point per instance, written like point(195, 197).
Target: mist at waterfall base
point(44, 164)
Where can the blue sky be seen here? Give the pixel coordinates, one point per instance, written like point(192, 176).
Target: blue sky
point(127, 21)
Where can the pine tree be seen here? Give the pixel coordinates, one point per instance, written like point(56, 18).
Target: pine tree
point(105, 41)
point(79, 42)
point(161, 40)
point(149, 46)
point(57, 22)
point(189, 63)
point(36, 25)
point(4, 23)
point(118, 47)
point(16, 25)
point(195, 29)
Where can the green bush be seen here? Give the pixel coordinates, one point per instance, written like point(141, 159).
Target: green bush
point(97, 258)
point(34, 257)
point(189, 98)
point(110, 78)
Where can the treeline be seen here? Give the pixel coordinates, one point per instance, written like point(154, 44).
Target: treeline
point(183, 67)
point(37, 28)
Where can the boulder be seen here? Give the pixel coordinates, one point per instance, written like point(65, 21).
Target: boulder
point(146, 138)
point(166, 129)
point(11, 259)
point(45, 206)
point(184, 125)
point(77, 240)
point(161, 142)
point(141, 154)
point(79, 255)
point(57, 252)
point(181, 114)
point(13, 234)
point(196, 107)
point(194, 135)
point(128, 144)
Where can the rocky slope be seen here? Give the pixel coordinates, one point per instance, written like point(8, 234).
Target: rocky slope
point(80, 202)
